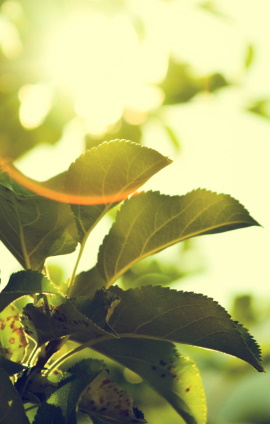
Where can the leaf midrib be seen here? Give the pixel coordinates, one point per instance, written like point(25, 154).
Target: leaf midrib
point(165, 245)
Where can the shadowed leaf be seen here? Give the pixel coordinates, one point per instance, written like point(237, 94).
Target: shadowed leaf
point(11, 407)
point(34, 228)
point(25, 282)
point(106, 402)
point(58, 317)
point(63, 402)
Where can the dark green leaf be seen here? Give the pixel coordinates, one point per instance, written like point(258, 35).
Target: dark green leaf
point(25, 282)
point(58, 317)
point(99, 309)
point(151, 221)
point(63, 402)
point(34, 228)
point(173, 376)
point(106, 402)
point(116, 168)
point(10, 367)
point(182, 317)
point(11, 407)
point(49, 414)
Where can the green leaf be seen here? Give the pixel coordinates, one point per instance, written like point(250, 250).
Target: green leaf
point(11, 407)
point(99, 309)
point(10, 367)
point(58, 317)
point(181, 317)
point(116, 169)
point(33, 227)
point(151, 221)
point(173, 376)
point(25, 282)
point(106, 402)
point(13, 342)
point(61, 405)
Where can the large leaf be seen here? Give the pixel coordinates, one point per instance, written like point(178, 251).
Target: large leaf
point(150, 222)
point(173, 376)
point(106, 402)
point(58, 317)
point(182, 317)
point(110, 171)
point(13, 341)
point(61, 405)
point(25, 282)
point(11, 407)
point(33, 227)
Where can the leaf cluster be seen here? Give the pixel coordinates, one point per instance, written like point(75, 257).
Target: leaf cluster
point(138, 327)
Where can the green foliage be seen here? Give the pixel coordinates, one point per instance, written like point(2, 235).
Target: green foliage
point(136, 327)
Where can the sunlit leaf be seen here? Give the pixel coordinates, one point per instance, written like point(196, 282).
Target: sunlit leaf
point(13, 342)
point(63, 402)
point(25, 282)
point(58, 317)
point(173, 376)
point(106, 402)
point(151, 221)
point(114, 169)
point(182, 317)
point(11, 407)
point(33, 227)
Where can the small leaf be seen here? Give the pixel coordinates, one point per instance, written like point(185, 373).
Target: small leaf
point(34, 228)
point(25, 282)
point(173, 376)
point(63, 401)
point(58, 317)
point(11, 407)
point(113, 169)
point(106, 402)
point(182, 317)
point(13, 342)
point(249, 59)
point(151, 221)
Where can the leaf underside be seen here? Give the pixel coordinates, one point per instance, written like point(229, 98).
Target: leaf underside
point(116, 169)
point(33, 227)
point(150, 222)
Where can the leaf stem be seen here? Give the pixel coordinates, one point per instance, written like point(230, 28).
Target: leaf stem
point(72, 278)
point(72, 352)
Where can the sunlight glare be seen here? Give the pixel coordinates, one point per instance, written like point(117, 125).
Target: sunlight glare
point(98, 59)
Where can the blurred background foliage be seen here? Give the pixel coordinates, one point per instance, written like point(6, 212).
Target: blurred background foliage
point(74, 73)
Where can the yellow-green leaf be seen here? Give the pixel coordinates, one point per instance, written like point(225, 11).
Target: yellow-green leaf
point(13, 341)
point(111, 170)
point(173, 376)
